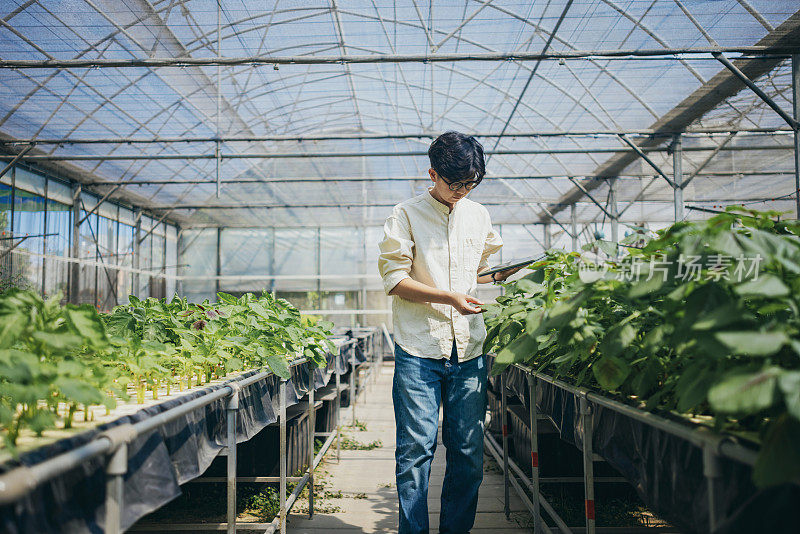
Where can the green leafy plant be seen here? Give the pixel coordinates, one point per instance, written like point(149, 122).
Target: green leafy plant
point(52, 360)
point(56, 360)
point(716, 346)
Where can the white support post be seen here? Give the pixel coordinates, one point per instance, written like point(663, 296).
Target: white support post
point(573, 227)
point(353, 382)
point(677, 176)
point(312, 422)
point(230, 412)
point(588, 464)
point(337, 409)
point(711, 471)
point(537, 516)
point(504, 427)
point(547, 237)
point(116, 468)
point(282, 461)
point(796, 115)
point(612, 209)
point(75, 249)
point(137, 250)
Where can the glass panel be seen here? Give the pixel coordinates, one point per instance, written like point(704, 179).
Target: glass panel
point(59, 191)
point(197, 254)
point(126, 216)
point(28, 227)
point(56, 276)
point(29, 181)
point(296, 255)
point(342, 251)
point(145, 264)
point(107, 276)
point(172, 261)
point(125, 259)
point(157, 287)
point(5, 234)
point(87, 251)
point(245, 252)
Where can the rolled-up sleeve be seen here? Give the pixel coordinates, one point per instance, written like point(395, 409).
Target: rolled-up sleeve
point(492, 244)
point(396, 251)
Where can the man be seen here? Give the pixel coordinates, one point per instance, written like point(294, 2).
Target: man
point(434, 248)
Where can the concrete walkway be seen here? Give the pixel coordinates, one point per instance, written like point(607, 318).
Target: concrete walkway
point(369, 475)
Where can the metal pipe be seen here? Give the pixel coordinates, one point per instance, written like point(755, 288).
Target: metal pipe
point(504, 429)
point(312, 421)
point(574, 228)
point(659, 53)
point(636, 148)
point(537, 517)
point(588, 464)
point(282, 461)
point(272, 527)
point(75, 249)
point(695, 132)
point(702, 437)
point(613, 210)
point(116, 467)
point(384, 154)
point(796, 114)
point(711, 472)
point(331, 179)
point(494, 448)
point(677, 171)
point(337, 409)
point(230, 412)
point(520, 492)
point(269, 206)
point(353, 372)
point(719, 56)
point(15, 159)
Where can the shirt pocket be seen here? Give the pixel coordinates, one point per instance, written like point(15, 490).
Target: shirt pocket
point(473, 249)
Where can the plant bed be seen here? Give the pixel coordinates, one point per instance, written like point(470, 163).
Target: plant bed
point(712, 350)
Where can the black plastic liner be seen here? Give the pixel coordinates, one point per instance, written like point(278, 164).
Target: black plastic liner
point(666, 470)
point(158, 463)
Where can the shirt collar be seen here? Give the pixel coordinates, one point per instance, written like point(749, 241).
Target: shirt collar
point(438, 205)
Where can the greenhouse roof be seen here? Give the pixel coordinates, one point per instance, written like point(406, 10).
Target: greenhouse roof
point(321, 112)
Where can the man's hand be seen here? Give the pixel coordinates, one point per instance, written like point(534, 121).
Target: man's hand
point(465, 304)
point(502, 276)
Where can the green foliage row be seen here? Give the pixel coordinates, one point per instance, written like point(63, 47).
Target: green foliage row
point(718, 347)
point(56, 360)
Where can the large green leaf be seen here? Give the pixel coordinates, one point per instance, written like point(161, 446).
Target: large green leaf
point(529, 286)
point(753, 343)
point(11, 326)
point(779, 459)
point(766, 286)
point(617, 340)
point(789, 383)
point(277, 364)
point(518, 351)
point(78, 391)
point(86, 321)
point(747, 393)
point(722, 316)
point(59, 341)
point(121, 323)
point(610, 372)
point(692, 387)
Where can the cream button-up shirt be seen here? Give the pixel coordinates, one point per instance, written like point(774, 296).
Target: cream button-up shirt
point(425, 241)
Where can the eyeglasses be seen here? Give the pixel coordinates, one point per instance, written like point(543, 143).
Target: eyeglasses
point(455, 186)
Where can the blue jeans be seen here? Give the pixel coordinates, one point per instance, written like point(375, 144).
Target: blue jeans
point(420, 386)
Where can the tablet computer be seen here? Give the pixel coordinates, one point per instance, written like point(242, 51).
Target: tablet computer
point(521, 262)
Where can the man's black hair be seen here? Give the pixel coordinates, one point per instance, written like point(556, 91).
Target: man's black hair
point(457, 157)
